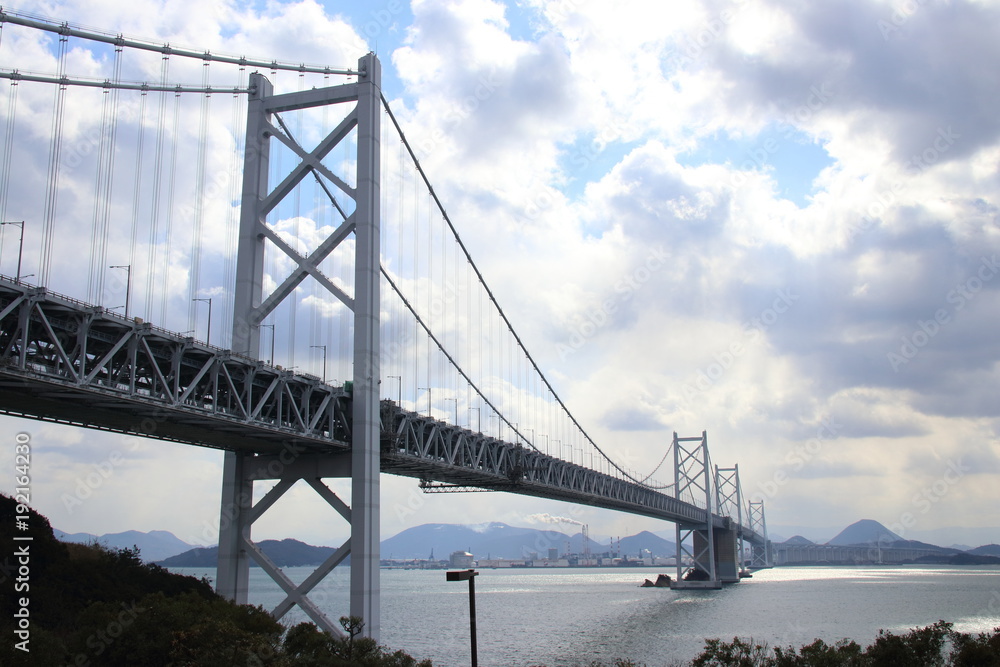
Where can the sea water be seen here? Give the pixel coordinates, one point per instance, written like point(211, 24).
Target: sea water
point(572, 616)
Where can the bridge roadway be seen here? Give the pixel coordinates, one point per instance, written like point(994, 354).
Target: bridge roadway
point(65, 361)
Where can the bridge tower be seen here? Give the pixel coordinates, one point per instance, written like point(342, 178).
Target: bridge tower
point(695, 541)
point(729, 503)
point(761, 554)
point(252, 305)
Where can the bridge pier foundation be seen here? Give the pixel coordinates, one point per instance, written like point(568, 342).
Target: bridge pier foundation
point(232, 578)
point(727, 561)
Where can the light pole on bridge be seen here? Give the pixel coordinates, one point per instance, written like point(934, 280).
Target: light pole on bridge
point(128, 285)
point(456, 408)
point(208, 332)
point(271, 326)
point(20, 248)
point(399, 392)
point(322, 347)
point(479, 420)
point(430, 405)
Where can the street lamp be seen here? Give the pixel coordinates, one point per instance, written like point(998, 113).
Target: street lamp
point(429, 404)
point(456, 408)
point(399, 379)
point(128, 284)
point(470, 576)
point(322, 347)
point(208, 334)
point(479, 420)
point(264, 326)
point(20, 249)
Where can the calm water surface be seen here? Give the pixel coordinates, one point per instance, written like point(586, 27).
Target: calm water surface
point(572, 616)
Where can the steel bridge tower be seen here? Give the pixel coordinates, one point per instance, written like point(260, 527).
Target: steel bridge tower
point(252, 305)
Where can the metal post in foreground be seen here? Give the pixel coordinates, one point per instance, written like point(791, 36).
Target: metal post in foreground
point(470, 575)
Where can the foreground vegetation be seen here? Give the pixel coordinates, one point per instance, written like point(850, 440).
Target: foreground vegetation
point(937, 645)
point(89, 606)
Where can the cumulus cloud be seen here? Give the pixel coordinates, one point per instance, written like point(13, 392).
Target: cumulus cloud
point(571, 153)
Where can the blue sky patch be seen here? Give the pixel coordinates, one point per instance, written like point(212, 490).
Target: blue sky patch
point(792, 158)
point(589, 159)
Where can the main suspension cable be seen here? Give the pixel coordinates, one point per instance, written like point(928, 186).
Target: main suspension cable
point(496, 304)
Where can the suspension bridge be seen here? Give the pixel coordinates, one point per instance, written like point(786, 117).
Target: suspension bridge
point(305, 218)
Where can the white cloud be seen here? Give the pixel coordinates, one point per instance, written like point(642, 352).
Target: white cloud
point(897, 226)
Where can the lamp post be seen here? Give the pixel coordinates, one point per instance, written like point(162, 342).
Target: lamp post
point(322, 347)
point(479, 420)
point(264, 326)
point(128, 284)
point(20, 249)
point(456, 408)
point(429, 404)
point(399, 394)
point(470, 576)
point(208, 334)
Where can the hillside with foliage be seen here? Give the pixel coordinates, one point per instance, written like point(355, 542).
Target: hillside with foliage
point(89, 605)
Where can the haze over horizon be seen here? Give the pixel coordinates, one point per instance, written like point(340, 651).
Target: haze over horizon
point(792, 210)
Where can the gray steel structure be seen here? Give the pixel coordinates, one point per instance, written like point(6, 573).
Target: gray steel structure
point(252, 306)
point(69, 362)
point(66, 361)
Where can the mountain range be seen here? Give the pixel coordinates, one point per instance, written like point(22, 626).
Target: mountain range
point(868, 532)
point(154, 545)
point(495, 539)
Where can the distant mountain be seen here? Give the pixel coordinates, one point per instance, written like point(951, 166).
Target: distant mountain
point(496, 540)
point(635, 544)
point(284, 553)
point(153, 546)
point(985, 550)
point(865, 531)
point(915, 544)
point(798, 540)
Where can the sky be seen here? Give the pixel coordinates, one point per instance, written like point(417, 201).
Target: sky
point(790, 207)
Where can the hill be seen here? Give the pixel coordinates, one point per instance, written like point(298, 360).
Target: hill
point(634, 545)
point(986, 550)
point(153, 546)
point(284, 553)
point(798, 540)
point(865, 531)
point(495, 539)
point(93, 605)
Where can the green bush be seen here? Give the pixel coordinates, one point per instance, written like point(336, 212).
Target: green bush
point(935, 645)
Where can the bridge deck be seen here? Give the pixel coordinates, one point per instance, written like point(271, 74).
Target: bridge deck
point(65, 361)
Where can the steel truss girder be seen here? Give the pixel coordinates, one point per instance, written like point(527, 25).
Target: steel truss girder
point(418, 446)
point(64, 360)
